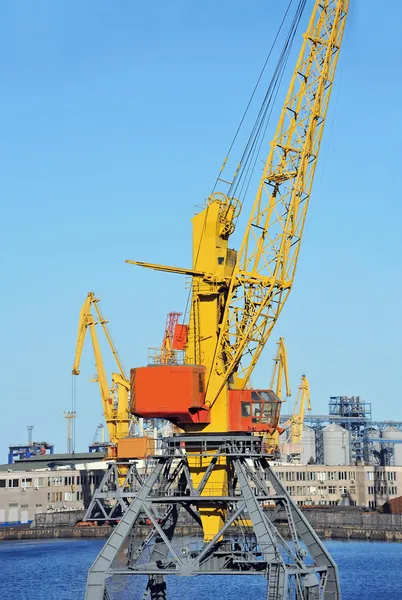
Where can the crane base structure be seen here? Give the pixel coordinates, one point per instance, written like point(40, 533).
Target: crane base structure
point(258, 511)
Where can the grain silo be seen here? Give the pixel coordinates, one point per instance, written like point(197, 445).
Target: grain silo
point(392, 433)
point(308, 444)
point(336, 442)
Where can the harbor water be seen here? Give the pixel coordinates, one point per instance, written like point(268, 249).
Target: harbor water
point(57, 570)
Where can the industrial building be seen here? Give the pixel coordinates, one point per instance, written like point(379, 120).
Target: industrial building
point(47, 483)
point(349, 436)
point(359, 485)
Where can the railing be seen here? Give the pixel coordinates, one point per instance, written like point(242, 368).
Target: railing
point(161, 356)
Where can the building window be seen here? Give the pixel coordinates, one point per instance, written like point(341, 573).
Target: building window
point(13, 483)
point(352, 489)
point(332, 489)
point(370, 475)
point(38, 505)
point(26, 482)
point(39, 482)
point(391, 475)
point(24, 506)
point(2, 483)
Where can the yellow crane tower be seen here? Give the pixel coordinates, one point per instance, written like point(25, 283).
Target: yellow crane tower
point(237, 296)
point(115, 397)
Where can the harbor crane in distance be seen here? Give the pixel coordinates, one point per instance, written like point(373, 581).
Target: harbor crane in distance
point(115, 397)
point(293, 447)
point(217, 470)
point(280, 374)
point(168, 352)
point(280, 371)
point(303, 403)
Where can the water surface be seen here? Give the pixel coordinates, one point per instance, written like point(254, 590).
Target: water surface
point(57, 570)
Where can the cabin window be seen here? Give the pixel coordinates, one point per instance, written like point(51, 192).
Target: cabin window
point(256, 409)
point(245, 409)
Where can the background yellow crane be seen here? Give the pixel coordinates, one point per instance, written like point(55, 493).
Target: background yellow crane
point(280, 371)
point(279, 375)
point(302, 404)
point(115, 397)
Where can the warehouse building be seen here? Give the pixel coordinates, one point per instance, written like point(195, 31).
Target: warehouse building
point(48, 483)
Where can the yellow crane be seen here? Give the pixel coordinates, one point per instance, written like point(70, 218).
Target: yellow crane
point(280, 371)
point(237, 297)
point(302, 404)
point(115, 397)
point(279, 375)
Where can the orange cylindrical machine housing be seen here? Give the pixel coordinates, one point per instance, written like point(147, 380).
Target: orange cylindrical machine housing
point(173, 392)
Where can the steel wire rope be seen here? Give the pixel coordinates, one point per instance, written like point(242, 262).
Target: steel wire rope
point(257, 149)
point(264, 114)
point(73, 409)
point(260, 126)
point(243, 118)
point(254, 91)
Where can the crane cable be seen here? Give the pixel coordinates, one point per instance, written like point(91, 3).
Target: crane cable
point(253, 92)
point(253, 146)
point(73, 409)
point(255, 139)
point(257, 136)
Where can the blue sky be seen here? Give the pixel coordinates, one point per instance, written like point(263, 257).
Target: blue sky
point(116, 117)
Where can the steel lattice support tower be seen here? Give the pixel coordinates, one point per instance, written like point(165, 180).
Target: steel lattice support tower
point(259, 513)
